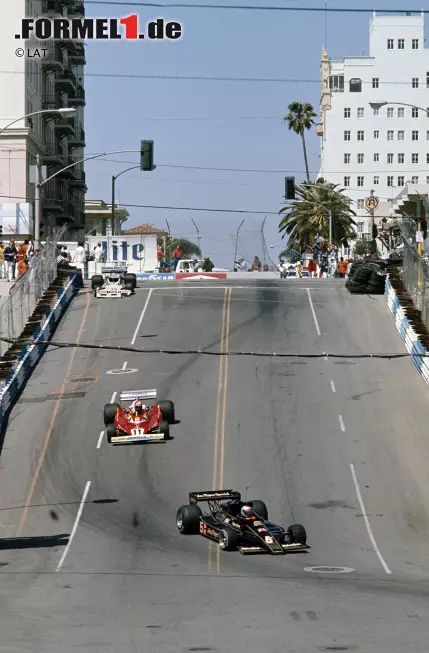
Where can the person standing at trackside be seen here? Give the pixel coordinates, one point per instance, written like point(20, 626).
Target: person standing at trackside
point(10, 255)
point(98, 253)
point(177, 256)
point(208, 265)
point(256, 265)
point(342, 268)
point(324, 266)
point(2, 266)
point(22, 266)
point(79, 256)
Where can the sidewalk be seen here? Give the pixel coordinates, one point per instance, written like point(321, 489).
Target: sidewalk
point(5, 287)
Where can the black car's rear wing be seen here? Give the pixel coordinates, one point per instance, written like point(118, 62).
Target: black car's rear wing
point(213, 495)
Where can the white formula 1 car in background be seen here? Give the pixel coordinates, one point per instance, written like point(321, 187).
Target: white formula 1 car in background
point(113, 281)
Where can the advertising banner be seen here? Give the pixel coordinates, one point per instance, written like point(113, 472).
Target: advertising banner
point(138, 252)
point(166, 276)
point(200, 276)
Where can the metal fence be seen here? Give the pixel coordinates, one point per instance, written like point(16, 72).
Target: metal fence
point(415, 277)
point(27, 292)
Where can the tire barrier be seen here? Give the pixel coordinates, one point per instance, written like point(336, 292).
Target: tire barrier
point(411, 339)
point(31, 352)
point(367, 277)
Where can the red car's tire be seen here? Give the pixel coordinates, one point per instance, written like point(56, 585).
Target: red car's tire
point(111, 432)
point(110, 413)
point(167, 410)
point(164, 427)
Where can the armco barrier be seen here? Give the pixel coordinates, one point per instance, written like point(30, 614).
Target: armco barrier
point(408, 335)
point(31, 353)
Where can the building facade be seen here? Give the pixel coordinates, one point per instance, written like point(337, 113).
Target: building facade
point(98, 218)
point(382, 148)
point(41, 81)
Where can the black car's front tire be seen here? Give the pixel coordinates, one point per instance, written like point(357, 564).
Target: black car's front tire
point(228, 539)
point(188, 519)
point(296, 534)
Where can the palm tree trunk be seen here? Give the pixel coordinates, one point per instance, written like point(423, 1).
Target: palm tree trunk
point(305, 155)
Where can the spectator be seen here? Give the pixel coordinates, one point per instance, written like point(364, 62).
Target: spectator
point(66, 254)
point(22, 265)
point(256, 265)
point(22, 251)
point(79, 256)
point(342, 268)
point(33, 258)
point(98, 253)
point(10, 255)
point(160, 254)
point(61, 258)
point(177, 255)
point(312, 267)
point(324, 267)
point(208, 265)
point(2, 265)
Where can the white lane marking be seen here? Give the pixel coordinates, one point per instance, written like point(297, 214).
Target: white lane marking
point(343, 428)
point(128, 371)
point(113, 398)
point(313, 312)
point(124, 365)
point(326, 358)
point(141, 316)
point(330, 570)
point(76, 523)
point(367, 524)
point(333, 386)
point(100, 439)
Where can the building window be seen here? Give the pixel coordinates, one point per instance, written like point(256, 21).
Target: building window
point(414, 157)
point(376, 157)
point(415, 44)
point(390, 181)
point(360, 112)
point(360, 205)
point(346, 181)
point(375, 82)
point(415, 82)
point(347, 112)
point(401, 158)
point(414, 112)
point(336, 83)
point(390, 158)
point(376, 112)
point(401, 44)
point(414, 180)
point(347, 158)
point(401, 112)
point(376, 133)
point(346, 135)
point(414, 135)
point(360, 181)
point(390, 112)
point(355, 85)
point(390, 44)
point(360, 158)
point(401, 181)
point(390, 135)
point(376, 180)
point(359, 226)
point(361, 136)
point(401, 135)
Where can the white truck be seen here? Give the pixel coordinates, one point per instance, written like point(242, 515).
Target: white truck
point(191, 265)
point(114, 281)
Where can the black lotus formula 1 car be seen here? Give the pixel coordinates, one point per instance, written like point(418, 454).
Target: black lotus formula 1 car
point(238, 525)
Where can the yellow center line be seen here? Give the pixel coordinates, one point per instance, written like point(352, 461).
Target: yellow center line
point(52, 422)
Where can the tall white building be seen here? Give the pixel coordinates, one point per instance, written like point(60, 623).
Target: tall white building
point(41, 81)
point(384, 149)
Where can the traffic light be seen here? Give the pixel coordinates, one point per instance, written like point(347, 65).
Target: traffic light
point(424, 228)
point(290, 188)
point(146, 155)
point(374, 231)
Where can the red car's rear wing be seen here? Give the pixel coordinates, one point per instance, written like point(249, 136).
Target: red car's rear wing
point(132, 395)
point(213, 495)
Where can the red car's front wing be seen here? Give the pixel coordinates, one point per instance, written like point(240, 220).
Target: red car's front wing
point(138, 431)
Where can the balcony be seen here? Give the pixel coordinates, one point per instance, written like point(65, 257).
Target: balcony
point(78, 140)
point(51, 103)
point(70, 173)
point(54, 155)
point(53, 62)
point(76, 9)
point(76, 56)
point(66, 81)
point(77, 99)
point(52, 8)
point(79, 182)
point(53, 193)
point(64, 127)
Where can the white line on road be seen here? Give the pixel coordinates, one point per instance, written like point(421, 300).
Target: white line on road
point(100, 439)
point(313, 312)
point(141, 317)
point(343, 428)
point(113, 397)
point(333, 386)
point(124, 365)
point(76, 523)
point(367, 524)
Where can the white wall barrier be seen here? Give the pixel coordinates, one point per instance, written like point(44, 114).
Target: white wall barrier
point(408, 335)
point(29, 356)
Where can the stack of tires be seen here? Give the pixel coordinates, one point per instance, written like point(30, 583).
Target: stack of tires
point(367, 277)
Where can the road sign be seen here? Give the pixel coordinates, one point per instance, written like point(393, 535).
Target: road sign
point(371, 203)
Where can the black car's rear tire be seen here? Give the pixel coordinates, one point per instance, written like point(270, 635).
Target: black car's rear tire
point(260, 508)
point(111, 432)
point(296, 534)
point(167, 410)
point(131, 279)
point(188, 519)
point(228, 539)
point(164, 427)
point(129, 286)
point(110, 413)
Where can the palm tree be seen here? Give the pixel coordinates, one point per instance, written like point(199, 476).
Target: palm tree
point(300, 118)
point(187, 246)
point(309, 215)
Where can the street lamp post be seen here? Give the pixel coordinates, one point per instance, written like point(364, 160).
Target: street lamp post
point(37, 210)
point(114, 178)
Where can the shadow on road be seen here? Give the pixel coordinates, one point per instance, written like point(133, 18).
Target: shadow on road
point(36, 542)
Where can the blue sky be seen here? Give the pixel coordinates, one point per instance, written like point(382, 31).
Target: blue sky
point(234, 124)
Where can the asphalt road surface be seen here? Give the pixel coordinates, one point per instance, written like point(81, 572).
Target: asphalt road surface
point(91, 559)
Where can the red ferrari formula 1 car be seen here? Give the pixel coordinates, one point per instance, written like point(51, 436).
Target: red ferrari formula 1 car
point(138, 422)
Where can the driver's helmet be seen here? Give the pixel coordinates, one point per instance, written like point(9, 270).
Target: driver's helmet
point(246, 512)
point(139, 408)
point(113, 277)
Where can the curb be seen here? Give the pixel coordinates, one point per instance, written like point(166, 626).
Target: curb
point(412, 341)
point(32, 351)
